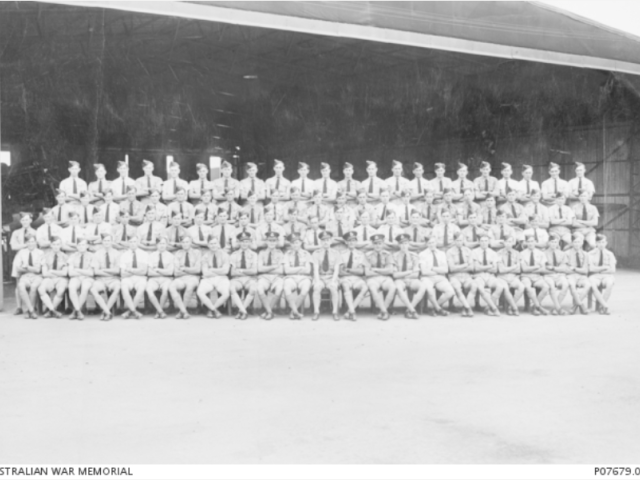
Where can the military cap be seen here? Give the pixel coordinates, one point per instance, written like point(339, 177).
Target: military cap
point(122, 163)
point(485, 165)
point(131, 188)
point(417, 166)
point(147, 163)
point(403, 237)
point(600, 237)
point(243, 215)
point(371, 163)
point(73, 163)
point(60, 192)
point(251, 165)
point(325, 234)
point(294, 237)
point(175, 213)
point(25, 214)
point(324, 166)
point(505, 165)
point(272, 235)
point(277, 162)
point(302, 165)
point(201, 166)
point(243, 236)
point(553, 165)
point(376, 237)
point(445, 191)
point(184, 237)
point(579, 164)
point(350, 236)
point(225, 165)
point(174, 164)
point(347, 165)
point(181, 190)
point(439, 165)
point(526, 167)
point(396, 163)
point(461, 166)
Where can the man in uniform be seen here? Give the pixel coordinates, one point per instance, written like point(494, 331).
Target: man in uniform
point(299, 269)
point(396, 183)
point(467, 207)
point(160, 275)
point(85, 209)
point(553, 185)
point(209, 208)
point(18, 242)
point(270, 283)
point(561, 220)
point(224, 231)
point(405, 209)
point(110, 209)
point(534, 207)
point(602, 266)
point(462, 183)
point(150, 230)
point(527, 185)
point(253, 184)
point(54, 278)
point(444, 231)
point(429, 210)
point(365, 232)
point(267, 227)
point(278, 182)
point(201, 185)
point(48, 230)
point(485, 267)
point(147, 182)
point(390, 229)
point(72, 186)
point(27, 269)
point(379, 276)
point(123, 231)
point(434, 268)
point(325, 185)
point(352, 273)
point(244, 226)
point(244, 269)
point(489, 212)
point(461, 265)
point(419, 185)
point(62, 210)
point(328, 261)
point(107, 276)
point(225, 184)
point(94, 231)
point(312, 235)
point(304, 185)
point(348, 185)
point(230, 206)
point(72, 234)
point(579, 284)
point(181, 205)
point(175, 232)
point(555, 273)
point(418, 235)
point(515, 214)
point(407, 276)
point(339, 226)
point(97, 188)
point(509, 273)
point(580, 183)
point(373, 184)
point(586, 219)
point(173, 183)
point(133, 207)
point(215, 268)
point(162, 211)
point(199, 232)
point(506, 184)
point(254, 210)
point(473, 231)
point(485, 183)
point(384, 208)
point(133, 271)
point(119, 185)
point(186, 270)
point(532, 263)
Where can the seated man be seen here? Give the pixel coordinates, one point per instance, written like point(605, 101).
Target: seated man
point(95, 230)
point(460, 262)
point(379, 275)
point(509, 273)
point(515, 216)
point(578, 264)
point(602, 266)
point(555, 273)
point(244, 270)
point(123, 231)
point(225, 232)
point(312, 235)
point(407, 276)
point(54, 278)
point(215, 268)
point(352, 272)
point(532, 263)
point(62, 210)
point(328, 261)
point(267, 227)
point(254, 210)
point(46, 231)
point(417, 233)
point(133, 206)
point(27, 269)
point(270, 268)
point(210, 209)
point(384, 208)
point(473, 231)
point(72, 234)
point(429, 210)
point(230, 206)
point(405, 210)
point(433, 272)
point(160, 273)
point(19, 242)
point(150, 231)
point(175, 232)
point(199, 232)
point(181, 206)
point(444, 231)
point(366, 232)
point(186, 270)
point(585, 219)
point(485, 266)
point(107, 276)
point(133, 271)
point(201, 185)
point(540, 235)
point(244, 227)
point(500, 231)
point(467, 207)
point(534, 207)
point(390, 230)
point(299, 271)
point(80, 278)
point(561, 220)
point(339, 226)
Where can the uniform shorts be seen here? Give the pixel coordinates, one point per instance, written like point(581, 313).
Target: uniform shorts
point(243, 282)
point(556, 280)
point(511, 279)
point(186, 281)
point(30, 280)
point(326, 282)
point(134, 282)
point(219, 283)
point(353, 282)
point(436, 280)
point(156, 283)
point(50, 284)
point(106, 283)
point(380, 282)
point(270, 282)
point(80, 280)
point(487, 280)
point(599, 277)
point(410, 283)
point(295, 282)
point(577, 279)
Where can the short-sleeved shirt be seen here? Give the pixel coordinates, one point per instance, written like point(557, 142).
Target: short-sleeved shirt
point(127, 257)
point(478, 254)
point(327, 187)
point(223, 184)
point(486, 185)
point(83, 261)
point(278, 183)
point(333, 257)
point(224, 233)
point(232, 209)
point(472, 233)
point(349, 185)
point(439, 184)
point(604, 257)
point(390, 232)
point(528, 186)
point(185, 208)
point(577, 258)
point(99, 186)
point(512, 210)
point(364, 233)
point(149, 183)
point(73, 186)
point(86, 213)
point(45, 232)
point(373, 185)
point(250, 259)
point(306, 185)
point(323, 212)
point(171, 185)
point(199, 233)
point(448, 207)
point(168, 260)
point(174, 234)
point(134, 208)
point(397, 184)
point(199, 186)
point(404, 211)
point(61, 212)
point(252, 185)
point(537, 209)
point(355, 257)
point(539, 258)
point(553, 186)
point(465, 209)
point(50, 261)
point(556, 257)
point(459, 185)
point(270, 258)
point(18, 237)
point(111, 211)
point(501, 232)
point(263, 229)
point(303, 258)
point(458, 256)
point(382, 259)
point(120, 185)
point(489, 215)
point(97, 229)
point(312, 237)
point(150, 231)
point(255, 212)
point(297, 227)
point(556, 212)
point(417, 233)
point(217, 259)
point(540, 234)
point(122, 233)
point(405, 262)
point(188, 258)
point(100, 259)
point(576, 184)
point(26, 257)
point(434, 259)
point(419, 185)
point(509, 258)
point(339, 228)
point(505, 186)
point(442, 230)
point(591, 211)
point(72, 234)
point(429, 211)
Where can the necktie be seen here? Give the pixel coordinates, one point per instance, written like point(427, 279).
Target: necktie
point(149, 183)
point(253, 216)
point(490, 216)
point(339, 229)
point(601, 263)
point(397, 183)
point(124, 186)
point(371, 185)
point(348, 185)
point(135, 260)
point(475, 234)
point(81, 261)
point(584, 212)
point(419, 184)
point(531, 260)
point(379, 262)
point(391, 233)
point(429, 212)
point(253, 185)
point(366, 234)
point(406, 212)
point(124, 232)
point(177, 237)
point(50, 233)
point(73, 234)
point(502, 232)
point(95, 229)
point(528, 188)
point(181, 211)
point(175, 186)
point(513, 210)
point(486, 184)
point(507, 188)
point(435, 258)
point(324, 186)
point(325, 262)
point(560, 210)
point(404, 263)
point(555, 185)
point(86, 214)
point(509, 259)
point(350, 262)
point(277, 183)
point(99, 186)
point(579, 184)
point(31, 259)
point(297, 263)
point(75, 187)
point(107, 215)
point(55, 261)
point(160, 262)
point(578, 259)
point(229, 210)
point(150, 233)
point(59, 213)
point(269, 259)
point(415, 234)
point(215, 261)
point(202, 186)
point(131, 208)
point(441, 185)
point(555, 260)
point(226, 184)
point(187, 260)
point(484, 257)
point(269, 231)
point(535, 234)
point(223, 238)
point(108, 260)
point(446, 234)
point(315, 237)
point(200, 236)
point(243, 261)
point(460, 257)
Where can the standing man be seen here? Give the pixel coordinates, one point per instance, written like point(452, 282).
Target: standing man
point(561, 220)
point(133, 207)
point(96, 189)
point(348, 185)
point(150, 231)
point(555, 273)
point(440, 182)
point(553, 185)
point(18, 242)
point(580, 183)
point(379, 274)
point(186, 270)
point(244, 270)
point(72, 234)
point(160, 273)
point(215, 268)
point(47, 230)
point(506, 184)
point(181, 205)
point(225, 184)
point(579, 283)
point(373, 184)
point(253, 184)
point(419, 185)
point(224, 232)
point(328, 261)
point(147, 182)
point(486, 185)
point(444, 231)
point(133, 271)
point(325, 185)
point(396, 183)
point(462, 183)
point(173, 183)
point(110, 209)
point(270, 283)
point(278, 182)
point(94, 231)
point(62, 210)
point(73, 186)
point(353, 268)
point(303, 183)
point(119, 185)
point(201, 185)
point(527, 184)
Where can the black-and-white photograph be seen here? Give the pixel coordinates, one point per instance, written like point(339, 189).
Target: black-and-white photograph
point(319, 233)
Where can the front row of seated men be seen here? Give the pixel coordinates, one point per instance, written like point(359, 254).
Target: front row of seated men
point(216, 275)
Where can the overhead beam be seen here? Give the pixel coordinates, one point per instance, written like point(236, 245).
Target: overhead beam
point(362, 32)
